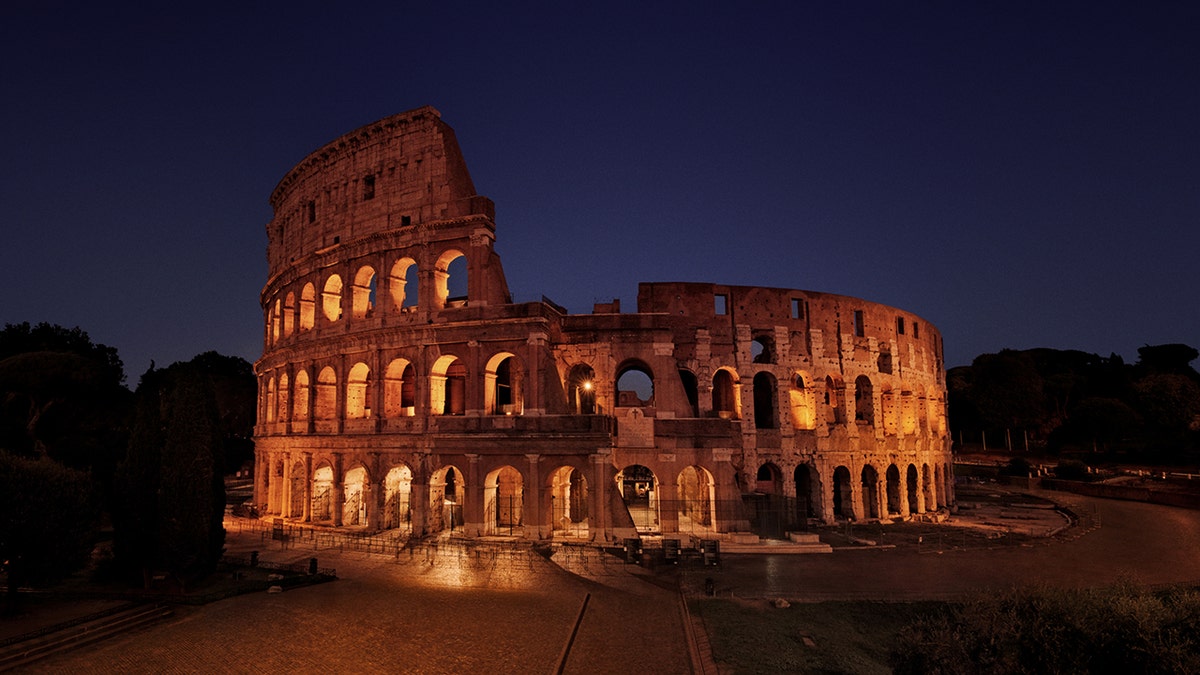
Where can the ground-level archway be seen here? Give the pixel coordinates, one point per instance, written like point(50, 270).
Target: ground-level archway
point(503, 501)
point(639, 490)
point(696, 500)
point(569, 502)
point(397, 498)
point(447, 492)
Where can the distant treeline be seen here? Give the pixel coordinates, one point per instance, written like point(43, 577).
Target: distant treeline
point(1072, 401)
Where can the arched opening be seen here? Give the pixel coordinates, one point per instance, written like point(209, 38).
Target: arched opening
point(276, 321)
point(864, 401)
point(402, 284)
point(804, 415)
point(325, 407)
point(691, 389)
point(927, 481)
point(569, 502)
point(331, 298)
point(322, 494)
point(835, 409)
point(808, 492)
point(358, 392)
point(725, 395)
point(765, 416)
point(298, 482)
point(399, 389)
point(841, 492)
point(446, 498)
point(503, 501)
point(762, 349)
point(270, 402)
point(697, 500)
point(581, 390)
point(300, 412)
point(289, 315)
point(448, 387)
point(450, 275)
point(893, 489)
point(769, 518)
point(635, 385)
point(281, 413)
point(362, 293)
point(912, 483)
point(308, 306)
point(503, 385)
point(397, 493)
point(354, 494)
point(639, 491)
point(870, 492)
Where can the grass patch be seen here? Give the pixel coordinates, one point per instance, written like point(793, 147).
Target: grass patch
point(825, 637)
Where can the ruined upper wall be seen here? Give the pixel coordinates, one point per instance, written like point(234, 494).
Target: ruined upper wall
point(399, 172)
point(843, 321)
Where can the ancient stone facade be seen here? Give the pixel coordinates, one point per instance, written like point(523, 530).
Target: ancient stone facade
point(401, 388)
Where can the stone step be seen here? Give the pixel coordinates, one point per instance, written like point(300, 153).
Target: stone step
point(38, 647)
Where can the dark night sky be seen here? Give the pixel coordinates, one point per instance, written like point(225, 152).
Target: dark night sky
point(1017, 174)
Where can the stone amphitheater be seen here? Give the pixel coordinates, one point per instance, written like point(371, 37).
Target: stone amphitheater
point(402, 389)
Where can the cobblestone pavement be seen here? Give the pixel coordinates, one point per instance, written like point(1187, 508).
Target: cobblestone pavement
point(383, 616)
point(1143, 543)
point(409, 616)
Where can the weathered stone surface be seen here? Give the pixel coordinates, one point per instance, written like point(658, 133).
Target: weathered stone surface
point(400, 387)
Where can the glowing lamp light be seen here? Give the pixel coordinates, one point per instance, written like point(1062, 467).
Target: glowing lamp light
point(587, 386)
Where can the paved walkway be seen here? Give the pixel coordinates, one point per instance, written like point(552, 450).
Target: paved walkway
point(1145, 543)
point(385, 616)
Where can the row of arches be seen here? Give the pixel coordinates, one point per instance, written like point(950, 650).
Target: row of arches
point(299, 311)
point(398, 499)
point(504, 376)
point(286, 400)
point(506, 501)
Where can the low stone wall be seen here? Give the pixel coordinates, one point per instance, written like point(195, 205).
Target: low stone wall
point(1126, 492)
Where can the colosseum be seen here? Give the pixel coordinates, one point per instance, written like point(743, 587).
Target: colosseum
point(402, 389)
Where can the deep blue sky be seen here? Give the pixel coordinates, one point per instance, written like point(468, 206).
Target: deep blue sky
point(1019, 175)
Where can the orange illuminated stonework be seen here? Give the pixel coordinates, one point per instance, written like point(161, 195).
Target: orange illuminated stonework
point(400, 388)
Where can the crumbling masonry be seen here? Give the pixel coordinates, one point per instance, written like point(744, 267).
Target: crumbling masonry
point(401, 388)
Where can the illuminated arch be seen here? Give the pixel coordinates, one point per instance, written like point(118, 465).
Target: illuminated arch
point(325, 405)
point(331, 298)
point(308, 306)
point(448, 387)
point(568, 502)
point(503, 385)
point(397, 498)
point(402, 284)
point(726, 394)
point(362, 293)
point(443, 282)
point(358, 397)
point(399, 389)
point(503, 501)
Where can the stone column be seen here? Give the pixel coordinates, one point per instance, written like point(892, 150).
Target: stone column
point(308, 481)
point(285, 509)
point(338, 493)
point(374, 494)
point(531, 503)
point(473, 511)
point(418, 504)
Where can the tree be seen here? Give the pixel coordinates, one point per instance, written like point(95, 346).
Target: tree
point(1008, 391)
point(61, 396)
point(49, 521)
point(173, 493)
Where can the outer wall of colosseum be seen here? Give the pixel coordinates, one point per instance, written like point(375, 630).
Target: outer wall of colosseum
point(402, 389)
